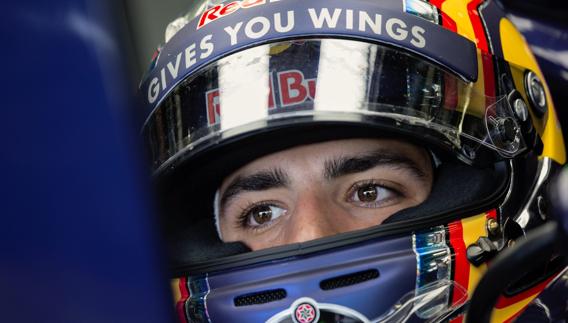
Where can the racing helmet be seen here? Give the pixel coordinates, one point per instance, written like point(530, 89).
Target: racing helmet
point(238, 80)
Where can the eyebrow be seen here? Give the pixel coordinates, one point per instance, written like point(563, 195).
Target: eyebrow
point(342, 166)
point(258, 181)
point(333, 168)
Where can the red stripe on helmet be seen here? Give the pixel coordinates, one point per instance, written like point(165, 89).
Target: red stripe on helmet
point(477, 25)
point(180, 305)
point(482, 44)
point(461, 265)
point(503, 301)
point(489, 78)
point(438, 3)
point(492, 214)
point(457, 320)
point(447, 21)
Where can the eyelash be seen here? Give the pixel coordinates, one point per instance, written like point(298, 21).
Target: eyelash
point(380, 185)
point(244, 214)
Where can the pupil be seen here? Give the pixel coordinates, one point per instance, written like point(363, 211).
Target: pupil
point(367, 193)
point(262, 214)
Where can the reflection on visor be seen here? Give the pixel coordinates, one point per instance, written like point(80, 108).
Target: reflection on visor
point(331, 80)
point(428, 299)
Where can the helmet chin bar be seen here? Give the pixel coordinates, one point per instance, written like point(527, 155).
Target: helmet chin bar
point(352, 271)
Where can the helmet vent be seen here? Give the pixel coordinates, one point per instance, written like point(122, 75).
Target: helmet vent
point(350, 279)
point(263, 297)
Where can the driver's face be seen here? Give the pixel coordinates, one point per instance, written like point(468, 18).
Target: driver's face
point(318, 190)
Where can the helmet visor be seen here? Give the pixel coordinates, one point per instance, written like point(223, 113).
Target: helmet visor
point(330, 80)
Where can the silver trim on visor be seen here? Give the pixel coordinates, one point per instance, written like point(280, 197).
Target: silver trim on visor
point(329, 79)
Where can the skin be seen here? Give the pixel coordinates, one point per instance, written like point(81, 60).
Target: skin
point(318, 190)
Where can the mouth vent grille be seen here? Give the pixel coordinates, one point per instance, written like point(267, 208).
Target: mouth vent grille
point(263, 297)
point(349, 279)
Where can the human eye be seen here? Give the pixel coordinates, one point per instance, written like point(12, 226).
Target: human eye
point(370, 194)
point(260, 215)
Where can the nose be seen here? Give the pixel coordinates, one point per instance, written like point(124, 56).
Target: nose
point(312, 218)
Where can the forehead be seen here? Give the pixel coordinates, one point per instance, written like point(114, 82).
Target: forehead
point(315, 155)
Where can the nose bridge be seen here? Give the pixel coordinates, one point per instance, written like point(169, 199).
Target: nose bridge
point(311, 219)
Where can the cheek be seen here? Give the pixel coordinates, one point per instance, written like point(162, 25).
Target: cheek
point(272, 238)
point(419, 194)
point(259, 244)
point(363, 219)
point(227, 231)
point(275, 236)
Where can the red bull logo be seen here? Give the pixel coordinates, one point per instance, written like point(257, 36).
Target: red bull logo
point(223, 10)
point(292, 89)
